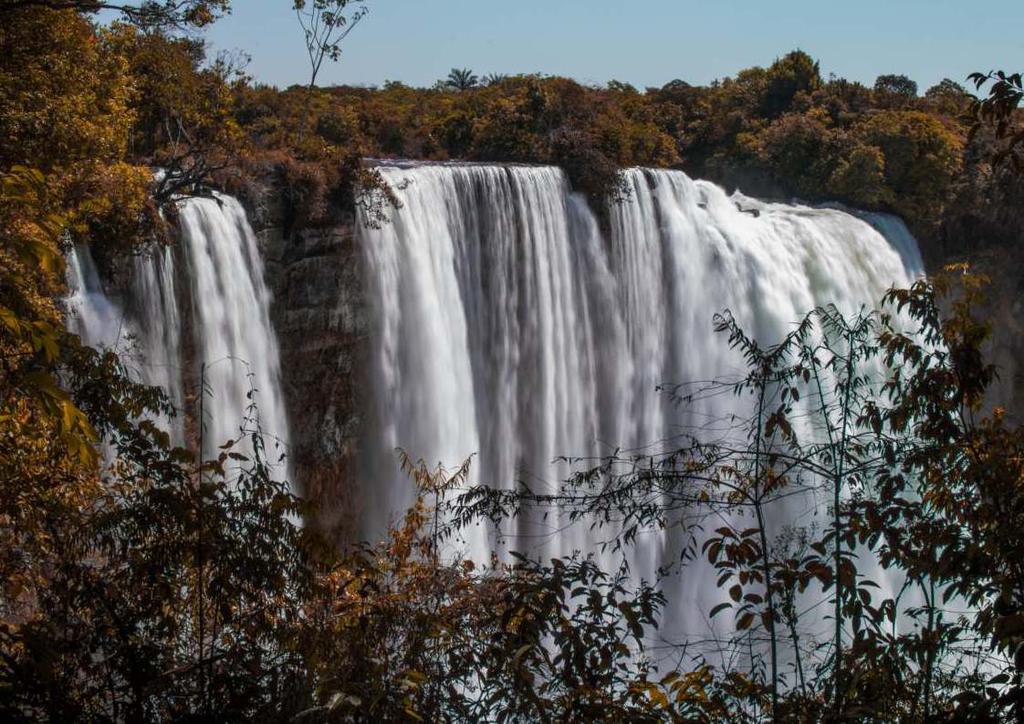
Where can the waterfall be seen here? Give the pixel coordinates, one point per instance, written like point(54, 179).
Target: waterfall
point(200, 305)
point(507, 326)
point(93, 316)
point(231, 312)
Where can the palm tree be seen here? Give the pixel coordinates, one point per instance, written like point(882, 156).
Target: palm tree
point(461, 79)
point(495, 78)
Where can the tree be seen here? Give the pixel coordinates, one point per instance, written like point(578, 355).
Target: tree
point(896, 85)
point(859, 177)
point(33, 343)
point(400, 631)
point(881, 413)
point(796, 72)
point(153, 14)
point(184, 108)
point(797, 147)
point(948, 97)
point(922, 157)
point(325, 25)
point(946, 88)
point(462, 79)
point(998, 110)
point(67, 107)
point(163, 589)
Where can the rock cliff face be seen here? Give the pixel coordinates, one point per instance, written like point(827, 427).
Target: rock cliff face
point(319, 313)
point(1004, 265)
point(983, 225)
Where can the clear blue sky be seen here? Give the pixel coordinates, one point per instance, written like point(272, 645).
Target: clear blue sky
point(644, 42)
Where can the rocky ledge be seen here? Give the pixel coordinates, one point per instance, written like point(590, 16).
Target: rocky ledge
point(319, 313)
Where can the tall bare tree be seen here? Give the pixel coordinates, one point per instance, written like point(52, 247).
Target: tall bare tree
point(325, 23)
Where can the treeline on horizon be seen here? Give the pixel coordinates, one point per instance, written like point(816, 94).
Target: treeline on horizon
point(781, 131)
point(139, 583)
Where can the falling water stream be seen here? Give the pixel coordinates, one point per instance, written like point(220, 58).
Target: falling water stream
point(507, 326)
point(226, 344)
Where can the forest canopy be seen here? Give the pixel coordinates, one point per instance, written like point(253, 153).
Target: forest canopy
point(782, 130)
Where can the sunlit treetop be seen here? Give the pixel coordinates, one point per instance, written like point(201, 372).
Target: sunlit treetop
point(149, 14)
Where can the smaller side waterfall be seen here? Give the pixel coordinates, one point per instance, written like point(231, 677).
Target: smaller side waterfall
point(154, 297)
point(200, 308)
point(231, 315)
point(93, 316)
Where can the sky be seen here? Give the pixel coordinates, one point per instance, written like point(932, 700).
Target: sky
point(643, 42)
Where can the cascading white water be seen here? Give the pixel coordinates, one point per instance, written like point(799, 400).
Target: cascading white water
point(231, 312)
point(506, 326)
point(153, 304)
point(94, 317)
point(217, 273)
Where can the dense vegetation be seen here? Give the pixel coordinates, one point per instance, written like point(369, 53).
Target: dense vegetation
point(138, 583)
point(781, 129)
point(804, 135)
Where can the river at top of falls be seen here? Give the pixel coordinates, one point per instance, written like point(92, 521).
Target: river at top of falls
point(507, 326)
point(216, 273)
